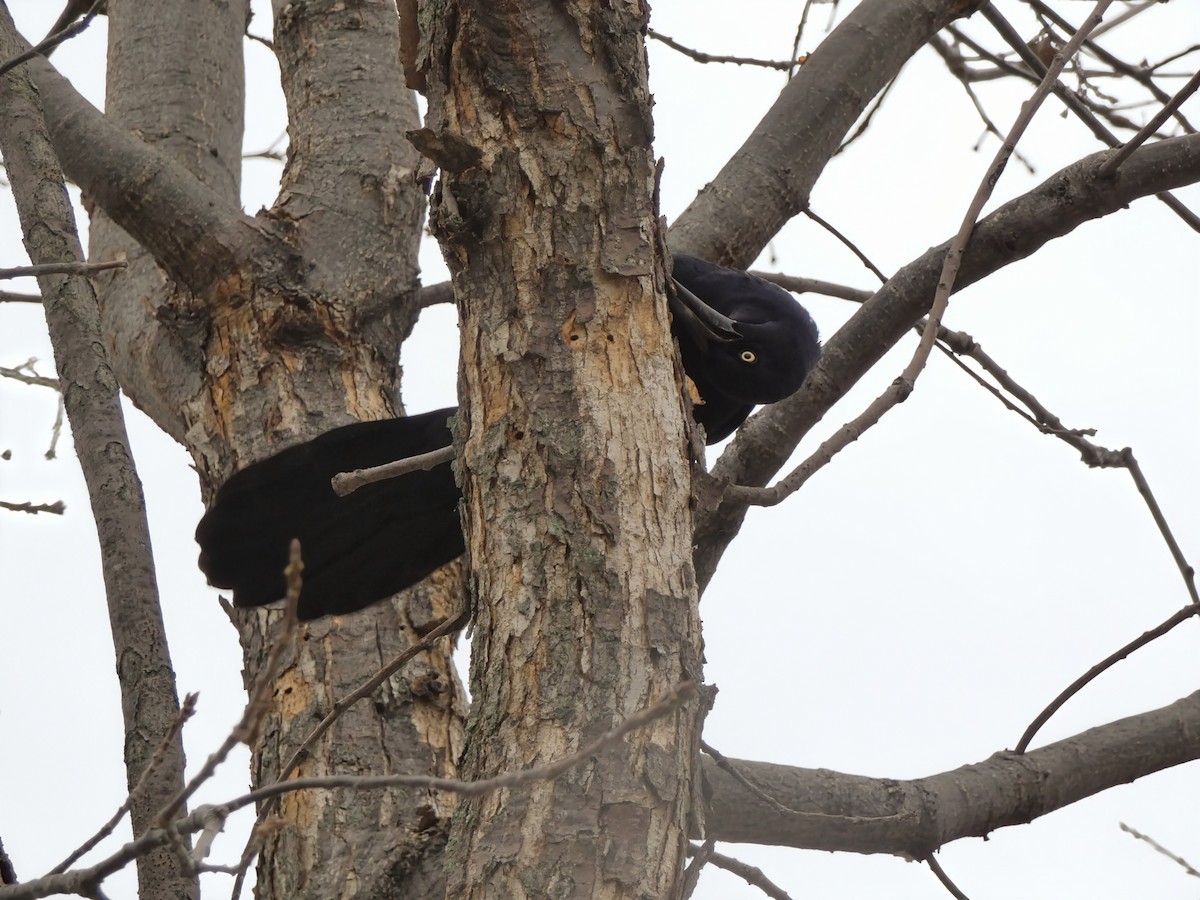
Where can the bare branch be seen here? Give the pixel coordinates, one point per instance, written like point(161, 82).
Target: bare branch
point(259, 39)
point(814, 286)
point(1079, 683)
point(691, 875)
point(752, 875)
point(701, 57)
point(1123, 17)
point(208, 233)
point(770, 178)
point(1137, 73)
point(1152, 126)
point(913, 818)
point(1015, 230)
point(949, 885)
point(847, 243)
point(903, 386)
point(149, 702)
point(87, 881)
point(348, 482)
point(432, 294)
point(246, 729)
point(63, 268)
point(966, 75)
point(57, 35)
point(160, 758)
point(1074, 104)
point(19, 373)
point(1187, 867)
point(56, 508)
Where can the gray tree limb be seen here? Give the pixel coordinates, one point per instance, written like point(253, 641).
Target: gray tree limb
point(148, 697)
point(769, 179)
point(819, 809)
point(1016, 230)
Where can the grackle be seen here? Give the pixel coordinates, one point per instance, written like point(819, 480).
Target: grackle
point(742, 341)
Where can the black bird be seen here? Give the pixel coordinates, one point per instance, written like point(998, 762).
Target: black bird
point(743, 341)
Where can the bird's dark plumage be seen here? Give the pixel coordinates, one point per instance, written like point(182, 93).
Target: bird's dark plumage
point(742, 340)
point(774, 349)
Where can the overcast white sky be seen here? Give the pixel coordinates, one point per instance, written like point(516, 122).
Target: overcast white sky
point(910, 611)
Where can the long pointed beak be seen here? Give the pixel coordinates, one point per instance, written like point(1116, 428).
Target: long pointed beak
point(705, 323)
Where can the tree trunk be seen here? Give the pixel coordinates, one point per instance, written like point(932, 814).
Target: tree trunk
point(575, 462)
point(245, 335)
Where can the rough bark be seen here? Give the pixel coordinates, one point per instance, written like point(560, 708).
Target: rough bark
point(574, 462)
point(176, 79)
point(822, 810)
point(257, 333)
point(149, 703)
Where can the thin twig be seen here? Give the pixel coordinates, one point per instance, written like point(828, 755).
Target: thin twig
point(1143, 486)
point(799, 36)
point(1187, 867)
point(450, 626)
point(271, 151)
point(1075, 686)
point(51, 41)
point(246, 730)
point(56, 508)
point(701, 57)
point(847, 243)
point(1186, 51)
point(56, 428)
point(519, 778)
point(867, 118)
point(691, 875)
point(949, 885)
point(17, 374)
point(1150, 127)
point(1092, 454)
point(1073, 103)
point(87, 881)
point(957, 343)
point(814, 286)
point(186, 710)
point(16, 297)
point(899, 390)
point(348, 482)
point(266, 42)
point(66, 268)
point(964, 75)
point(1122, 18)
point(1139, 74)
point(751, 875)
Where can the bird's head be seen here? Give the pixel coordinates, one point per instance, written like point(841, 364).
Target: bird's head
point(743, 338)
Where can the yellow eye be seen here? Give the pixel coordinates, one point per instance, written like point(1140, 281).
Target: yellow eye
point(748, 356)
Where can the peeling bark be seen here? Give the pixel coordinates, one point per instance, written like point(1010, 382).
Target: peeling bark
point(575, 462)
point(241, 336)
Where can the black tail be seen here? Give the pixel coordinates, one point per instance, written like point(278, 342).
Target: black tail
point(356, 549)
